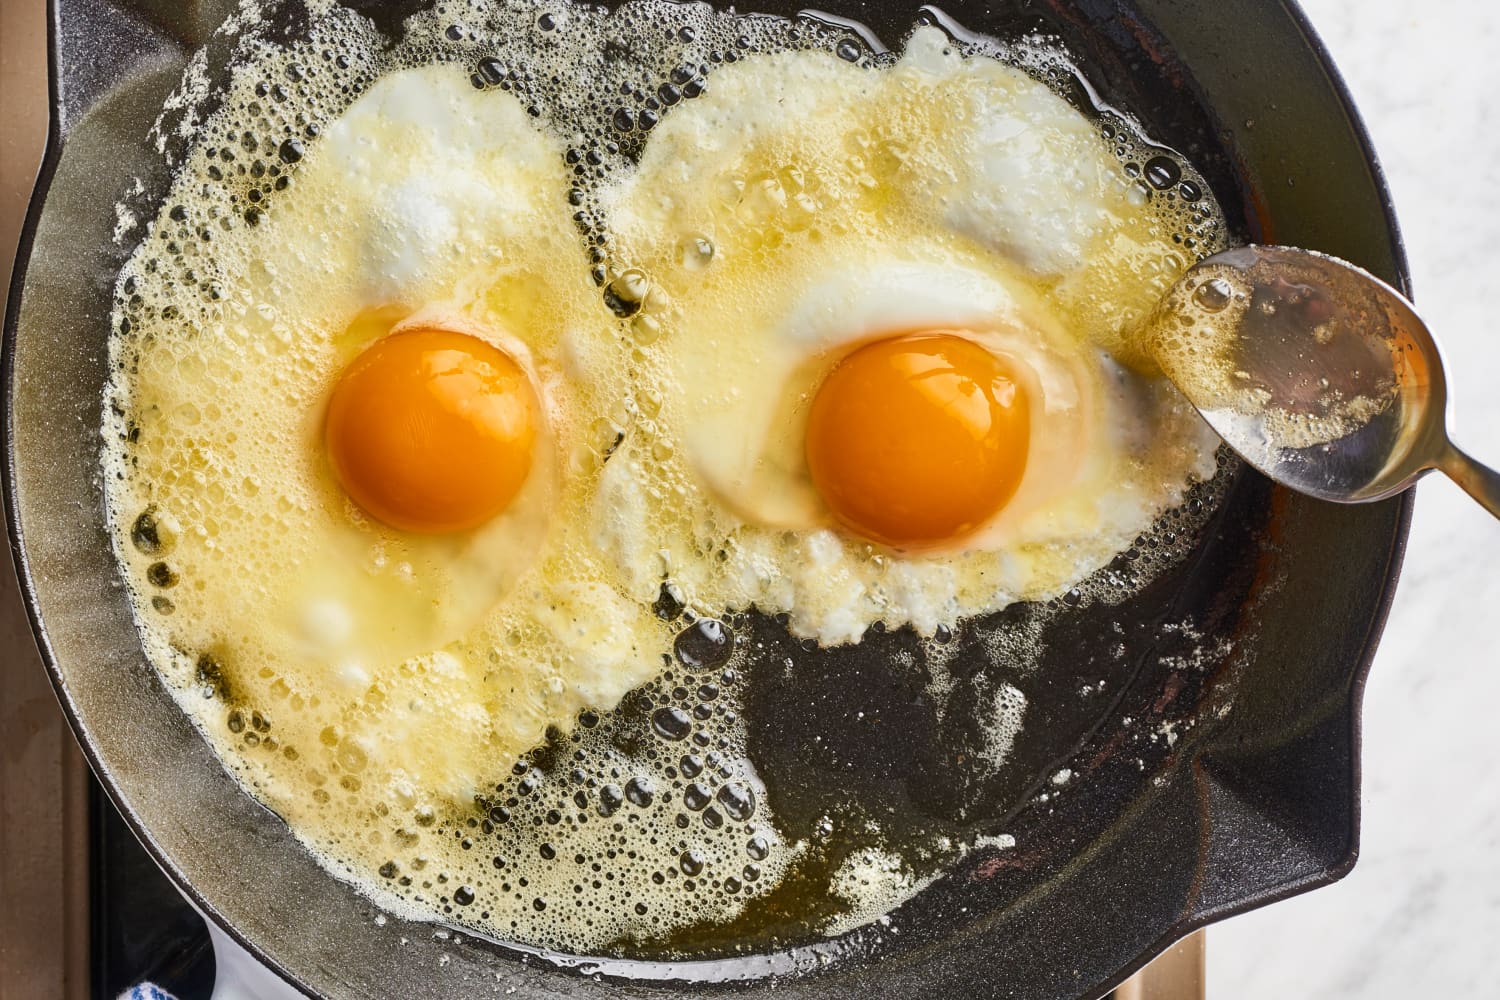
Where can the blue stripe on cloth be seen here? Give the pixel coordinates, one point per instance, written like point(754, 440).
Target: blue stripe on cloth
point(146, 991)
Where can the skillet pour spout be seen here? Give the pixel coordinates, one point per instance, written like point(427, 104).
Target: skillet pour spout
point(1233, 783)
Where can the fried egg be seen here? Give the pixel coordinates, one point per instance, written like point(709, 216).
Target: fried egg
point(882, 342)
point(359, 454)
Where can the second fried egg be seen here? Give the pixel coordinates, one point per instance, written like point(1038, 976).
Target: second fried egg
point(809, 230)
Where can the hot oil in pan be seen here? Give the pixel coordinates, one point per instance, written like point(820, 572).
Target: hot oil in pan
point(886, 761)
point(761, 791)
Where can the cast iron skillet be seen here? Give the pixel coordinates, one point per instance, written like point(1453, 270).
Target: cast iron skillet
point(1254, 796)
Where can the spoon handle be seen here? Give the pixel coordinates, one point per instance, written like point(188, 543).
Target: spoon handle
point(1478, 480)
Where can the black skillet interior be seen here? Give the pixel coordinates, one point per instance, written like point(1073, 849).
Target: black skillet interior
point(1233, 783)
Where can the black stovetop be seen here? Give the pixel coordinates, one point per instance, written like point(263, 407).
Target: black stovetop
point(142, 928)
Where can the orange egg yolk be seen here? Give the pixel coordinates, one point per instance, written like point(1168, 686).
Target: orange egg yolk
point(917, 439)
point(432, 431)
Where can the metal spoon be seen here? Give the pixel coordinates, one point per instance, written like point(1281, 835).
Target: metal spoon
point(1317, 373)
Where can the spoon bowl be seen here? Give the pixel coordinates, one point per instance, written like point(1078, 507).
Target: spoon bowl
point(1317, 373)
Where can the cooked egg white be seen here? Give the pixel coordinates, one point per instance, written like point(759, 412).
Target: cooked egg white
point(804, 207)
point(402, 668)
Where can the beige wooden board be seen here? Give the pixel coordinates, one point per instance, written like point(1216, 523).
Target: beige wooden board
point(44, 925)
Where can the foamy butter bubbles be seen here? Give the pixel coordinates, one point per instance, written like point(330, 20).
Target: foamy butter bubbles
point(659, 231)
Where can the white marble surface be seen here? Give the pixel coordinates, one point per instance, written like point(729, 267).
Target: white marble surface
point(1420, 915)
